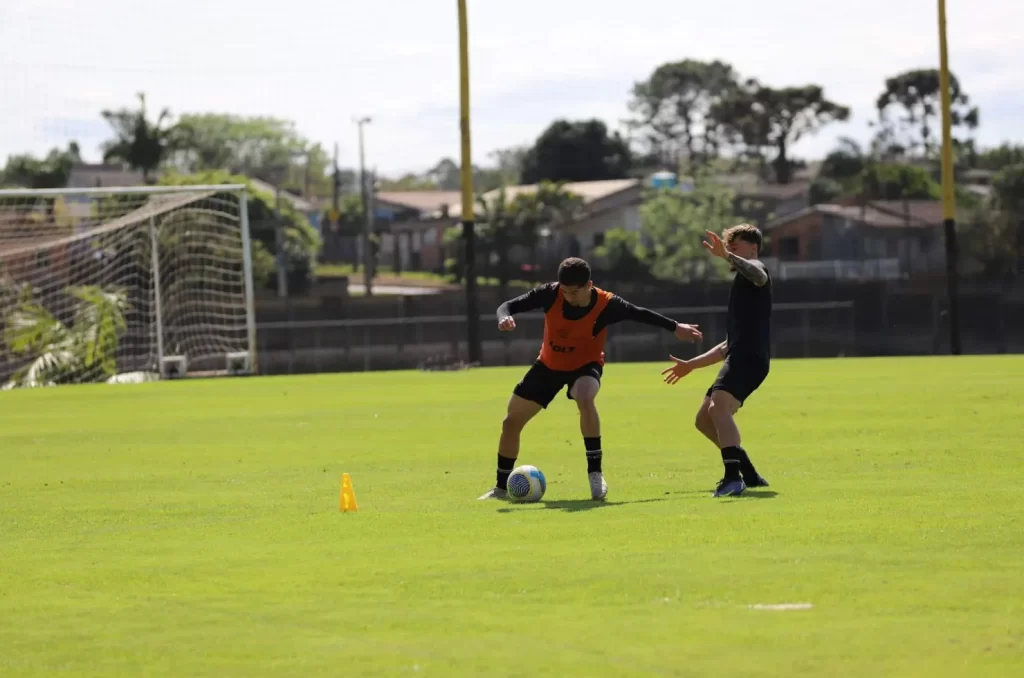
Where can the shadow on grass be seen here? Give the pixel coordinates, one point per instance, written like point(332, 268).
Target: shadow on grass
point(576, 505)
point(756, 494)
point(749, 494)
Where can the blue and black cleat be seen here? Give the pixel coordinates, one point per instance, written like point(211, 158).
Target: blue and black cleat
point(755, 481)
point(730, 488)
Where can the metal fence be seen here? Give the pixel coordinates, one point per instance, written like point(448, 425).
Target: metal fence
point(824, 329)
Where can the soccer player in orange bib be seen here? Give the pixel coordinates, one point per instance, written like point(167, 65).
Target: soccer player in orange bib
point(576, 320)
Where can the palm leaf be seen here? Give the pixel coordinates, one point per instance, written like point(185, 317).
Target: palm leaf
point(52, 367)
point(62, 354)
point(31, 328)
point(98, 324)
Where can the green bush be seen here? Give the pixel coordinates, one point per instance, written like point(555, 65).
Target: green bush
point(301, 240)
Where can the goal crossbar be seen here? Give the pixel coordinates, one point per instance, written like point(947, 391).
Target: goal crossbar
point(147, 211)
point(119, 190)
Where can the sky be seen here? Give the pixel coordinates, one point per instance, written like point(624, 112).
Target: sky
point(323, 62)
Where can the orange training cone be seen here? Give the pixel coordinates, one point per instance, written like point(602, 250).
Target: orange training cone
point(347, 501)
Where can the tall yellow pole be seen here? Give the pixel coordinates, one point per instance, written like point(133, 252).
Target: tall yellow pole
point(948, 190)
point(468, 206)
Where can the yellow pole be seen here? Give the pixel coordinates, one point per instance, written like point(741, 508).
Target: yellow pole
point(948, 190)
point(468, 206)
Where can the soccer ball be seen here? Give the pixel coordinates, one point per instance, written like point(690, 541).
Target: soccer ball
point(526, 484)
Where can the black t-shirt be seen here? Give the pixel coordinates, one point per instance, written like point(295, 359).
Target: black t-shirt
point(749, 321)
point(617, 310)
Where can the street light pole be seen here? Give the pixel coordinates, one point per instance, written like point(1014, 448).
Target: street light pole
point(282, 260)
point(949, 191)
point(367, 221)
point(468, 206)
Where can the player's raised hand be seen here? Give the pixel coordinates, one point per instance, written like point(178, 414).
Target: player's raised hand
point(506, 324)
point(714, 245)
point(680, 369)
point(688, 333)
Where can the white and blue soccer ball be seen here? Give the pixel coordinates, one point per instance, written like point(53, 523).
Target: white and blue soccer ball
point(526, 484)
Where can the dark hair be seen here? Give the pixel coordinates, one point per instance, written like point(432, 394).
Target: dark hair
point(744, 232)
point(574, 272)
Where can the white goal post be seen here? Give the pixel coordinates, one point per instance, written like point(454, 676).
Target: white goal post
point(125, 284)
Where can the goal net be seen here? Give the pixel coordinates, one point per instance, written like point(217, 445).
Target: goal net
point(121, 285)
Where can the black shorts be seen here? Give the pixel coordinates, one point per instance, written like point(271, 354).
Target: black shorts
point(541, 384)
point(740, 376)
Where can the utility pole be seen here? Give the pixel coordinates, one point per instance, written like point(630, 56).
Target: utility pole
point(468, 203)
point(367, 217)
point(371, 217)
point(307, 176)
point(337, 182)
point(282, 273)
point(949, 191)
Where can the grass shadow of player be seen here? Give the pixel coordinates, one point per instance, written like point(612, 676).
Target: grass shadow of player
point(756, 494)
point(577, 505)
point(749, 494)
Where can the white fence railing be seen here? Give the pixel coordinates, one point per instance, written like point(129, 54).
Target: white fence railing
point(837, 269)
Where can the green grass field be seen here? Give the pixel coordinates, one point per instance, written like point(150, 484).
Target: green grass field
point(193, 528)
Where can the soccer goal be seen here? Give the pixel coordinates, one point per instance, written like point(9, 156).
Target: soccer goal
point(124, 285)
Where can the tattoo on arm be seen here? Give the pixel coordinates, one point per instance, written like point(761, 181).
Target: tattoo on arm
point(751, 269)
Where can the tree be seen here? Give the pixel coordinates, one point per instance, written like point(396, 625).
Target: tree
point(576, 151)
point(1001, 157)
point(624, 255)
point(408, 182)
point(768, 118)
point(845, 162)
point(446, 175)
point(507, 224)
point(497, 234)
point(883, 181)
point(52, 171)
point(550, 206)
point(508, 164)
point(673, 107)
point(301, 241)
point(140, 143)
point(917, 94)
point(59, 354)
point(824, 190)
point(1008, 200)
point(266, 148)
point(517, 223)
point(674, 221)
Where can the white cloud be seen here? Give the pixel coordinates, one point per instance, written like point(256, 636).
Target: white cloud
point(320, 63)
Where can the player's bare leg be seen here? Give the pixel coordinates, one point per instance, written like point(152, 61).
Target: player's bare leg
point(519, 413)
point(738, 467)
point(704, 423)
point(584, 393)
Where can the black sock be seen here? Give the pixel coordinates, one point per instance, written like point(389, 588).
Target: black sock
point(746, 466)
point(505, 466)
point(732, 458)
point(594, 454)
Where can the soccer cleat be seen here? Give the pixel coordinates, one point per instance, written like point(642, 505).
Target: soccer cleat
point(730, 488)
point(495, 493)
point(598, 487)
point(756, 481)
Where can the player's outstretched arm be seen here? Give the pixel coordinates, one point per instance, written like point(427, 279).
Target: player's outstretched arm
point(681, 368)
point(538, 298)
point(715, 355)
point(619, 310)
